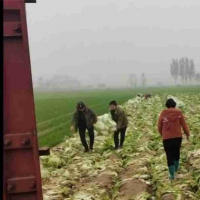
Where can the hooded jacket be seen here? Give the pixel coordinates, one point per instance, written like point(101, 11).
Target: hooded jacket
point(119, 116)
point(90, 118)
point(170, 123)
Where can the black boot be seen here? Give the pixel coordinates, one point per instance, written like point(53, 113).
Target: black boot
point(91, 148)
point(116, 148)
point(86, 150)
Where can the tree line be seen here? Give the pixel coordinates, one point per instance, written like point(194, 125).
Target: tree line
point(58, 82)
point(185, 69)
point(133, 80)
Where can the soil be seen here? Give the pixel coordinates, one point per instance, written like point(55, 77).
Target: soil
point(168, 197)
point(131, 170)
point(131, 188)
point(114, 157)
point(105, 179)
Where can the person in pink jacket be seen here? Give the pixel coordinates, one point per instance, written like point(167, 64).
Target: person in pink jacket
point(170, 123)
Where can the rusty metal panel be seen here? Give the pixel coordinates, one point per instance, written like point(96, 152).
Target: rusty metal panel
point(20, 185)
point(22, 179)
point(11, 15)
point(18, 141)
point(15, 5)
point(12, 29)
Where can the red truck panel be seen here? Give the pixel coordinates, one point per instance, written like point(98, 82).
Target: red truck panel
point(22, 179)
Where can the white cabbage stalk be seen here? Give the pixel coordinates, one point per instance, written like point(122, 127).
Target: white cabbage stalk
point(83, 195)
point(45, 173)
point(45, 197)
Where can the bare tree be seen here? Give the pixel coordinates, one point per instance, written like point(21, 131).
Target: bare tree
point(143, 80)
point(132, 80)
point(174, 69)
point(135, 81)
point(191, 70)
point(182, 69)
point(186, 69)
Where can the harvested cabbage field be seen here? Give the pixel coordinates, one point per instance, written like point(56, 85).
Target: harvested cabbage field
point(138, 171)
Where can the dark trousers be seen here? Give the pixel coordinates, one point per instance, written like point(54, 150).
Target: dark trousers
point(172, 149)
point(122, 137)
point(82, 130)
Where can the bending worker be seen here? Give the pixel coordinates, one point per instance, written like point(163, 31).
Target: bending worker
point(84, 118)
point(119, 116)
point(169, 125)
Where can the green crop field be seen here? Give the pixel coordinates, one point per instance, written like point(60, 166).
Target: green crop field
point(54, 110)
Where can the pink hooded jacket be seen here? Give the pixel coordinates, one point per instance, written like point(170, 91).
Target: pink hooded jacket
point(170, 123)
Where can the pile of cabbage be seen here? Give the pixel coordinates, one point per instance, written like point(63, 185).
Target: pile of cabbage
point(138, 171)
point(105, 125)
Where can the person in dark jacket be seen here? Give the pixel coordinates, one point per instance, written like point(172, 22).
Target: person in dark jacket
point(84, 118)
point(147, 96)
point(119, 116)
point(170, 123)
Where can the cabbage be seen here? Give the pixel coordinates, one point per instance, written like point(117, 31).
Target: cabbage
point(66, 174)
point(86, 167)
point(83, 195)
point(113, 129)
point(100, 118)
point(45, 197)
point(105, 124)
point(99, 126)
point(54, 162)
point(105, 118)
point(106, 128)
point(111, 123)
point(104, 132)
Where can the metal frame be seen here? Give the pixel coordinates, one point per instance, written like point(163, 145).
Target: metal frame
point(30, 1)
point(21, 178)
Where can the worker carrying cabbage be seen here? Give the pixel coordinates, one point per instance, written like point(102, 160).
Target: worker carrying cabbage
point(119, 116)
point(169, 125)
point(84, 118)
point(146, 96)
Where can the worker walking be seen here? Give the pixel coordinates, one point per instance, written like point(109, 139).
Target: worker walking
point(119, 116)
point(84, 118)
point(169, 126)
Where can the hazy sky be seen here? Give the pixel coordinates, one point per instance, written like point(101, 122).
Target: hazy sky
point(97, 40)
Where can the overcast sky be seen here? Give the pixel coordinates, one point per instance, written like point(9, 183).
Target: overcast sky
point(97, 40)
